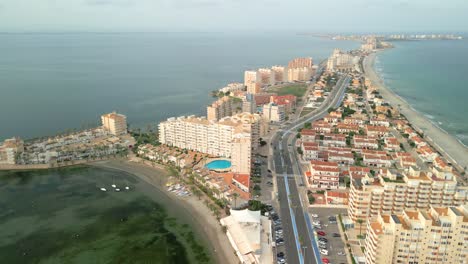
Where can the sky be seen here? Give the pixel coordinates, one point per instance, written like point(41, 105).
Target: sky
point(234, 15)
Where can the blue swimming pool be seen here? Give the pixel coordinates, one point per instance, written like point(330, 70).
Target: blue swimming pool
point(218, 165)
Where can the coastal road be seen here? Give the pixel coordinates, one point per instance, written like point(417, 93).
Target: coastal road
point(300, 243)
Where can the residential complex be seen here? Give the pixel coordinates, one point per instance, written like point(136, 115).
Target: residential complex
point(391, 192)
point(115, 123)
point(209, 136)
point(431, 236)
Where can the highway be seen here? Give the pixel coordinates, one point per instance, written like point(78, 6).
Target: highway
point(300, 244)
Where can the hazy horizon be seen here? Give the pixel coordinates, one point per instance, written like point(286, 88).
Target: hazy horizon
point(161, 16)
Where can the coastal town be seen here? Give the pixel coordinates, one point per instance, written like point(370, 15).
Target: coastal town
point(310, 162)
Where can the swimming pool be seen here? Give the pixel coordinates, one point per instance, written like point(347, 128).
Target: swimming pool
point(218, 164)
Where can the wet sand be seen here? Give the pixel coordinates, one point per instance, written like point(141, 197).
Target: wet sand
point(202, 217)
point(445, 143)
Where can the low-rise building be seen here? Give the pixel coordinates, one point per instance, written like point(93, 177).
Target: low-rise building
point(324, 175)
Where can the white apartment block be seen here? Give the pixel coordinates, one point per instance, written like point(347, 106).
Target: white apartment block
point(9, 149)
point(115, 123)
point(430, 236)
point(274, 113)
point(392, 193)
point(211, 137)
point(241, 153)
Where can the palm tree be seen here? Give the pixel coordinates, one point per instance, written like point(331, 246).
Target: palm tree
point(360, 222)
point(235, 195)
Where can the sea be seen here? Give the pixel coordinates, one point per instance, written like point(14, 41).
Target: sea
point(432, 76)
point(54, 83)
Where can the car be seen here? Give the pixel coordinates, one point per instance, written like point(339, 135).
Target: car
point(315, 222)
point(323, 246)
point(325, 260)
point(314, 215)
point(336, 235)
point(341, 253)
point(324, 252)
point(321, 233)
point(317, 227)
point(277, 228)
point(280, 255)
point(322, 239)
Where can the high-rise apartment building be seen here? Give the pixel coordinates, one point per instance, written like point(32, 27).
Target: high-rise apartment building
point(280, 73)
point(392, 192)
point(299, 74)
point(341, 61)
point(241, 153)
point(252, 81)
point(211, 137)
point(115, 123)
point(225, 106)
point(267, 76)
point(301, 63)
point(430, 236)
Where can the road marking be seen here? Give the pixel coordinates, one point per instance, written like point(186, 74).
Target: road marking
point(293, 220)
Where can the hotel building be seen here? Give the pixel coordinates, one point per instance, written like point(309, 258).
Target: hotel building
point(115, 123)
point(252, 81)
point(431, 236)
point(300, 69)
point(306, 62)
point(392, 193)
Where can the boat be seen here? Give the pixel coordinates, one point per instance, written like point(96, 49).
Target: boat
point(117, 190)
point(127, 188)
point(103, 189)
point(114, 186)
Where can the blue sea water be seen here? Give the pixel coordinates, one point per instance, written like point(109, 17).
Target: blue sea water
point(433, 77)
point(53, 82)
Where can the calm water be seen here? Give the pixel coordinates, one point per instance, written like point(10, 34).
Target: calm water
point(51, 83)
point(433, 77)
point(61, 216)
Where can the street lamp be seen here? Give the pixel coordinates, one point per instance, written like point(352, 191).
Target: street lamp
point(304, 252)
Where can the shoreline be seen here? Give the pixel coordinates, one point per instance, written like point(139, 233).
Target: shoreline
point(201, 217)
point(443, 142)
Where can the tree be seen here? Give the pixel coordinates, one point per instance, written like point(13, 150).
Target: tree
point(360, 222)
point(235, 195)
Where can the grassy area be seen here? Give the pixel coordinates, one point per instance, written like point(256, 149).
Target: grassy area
point(294, 89)
point(306, 111)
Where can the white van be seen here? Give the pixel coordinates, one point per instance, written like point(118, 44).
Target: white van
point(324, 252)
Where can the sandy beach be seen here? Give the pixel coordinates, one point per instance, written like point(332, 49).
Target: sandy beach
point(445, 143)
point(201, 216)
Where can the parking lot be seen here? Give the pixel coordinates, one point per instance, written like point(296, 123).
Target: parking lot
point(279, 251)
point(334, 245)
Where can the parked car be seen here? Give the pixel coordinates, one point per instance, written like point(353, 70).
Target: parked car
point(314, 215)
point(325, 260)
point(324, 252)
point(323, 246)
point(280, 255)
point(321, 233)
point(323, 239)
point(341, 253)
point(336, 235)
